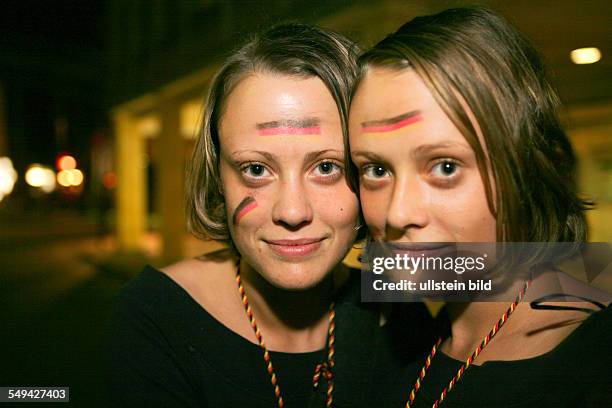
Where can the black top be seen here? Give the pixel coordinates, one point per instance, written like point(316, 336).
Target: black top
point(576, 373)
point(167, 351)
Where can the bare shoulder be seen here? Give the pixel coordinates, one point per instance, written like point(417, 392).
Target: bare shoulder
point(205, 277)
point(210, 261)
point(210, 280)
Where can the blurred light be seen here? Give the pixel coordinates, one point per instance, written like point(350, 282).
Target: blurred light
point(66, 162)
point(69, 178)
point(64, 178)
point(109, 179)
point(149, 126)
point(50, 186)
point(588, 55)
point(8, 177)
point(41, 176)
point(77, 177)
point(35, 176)
point(191, 113)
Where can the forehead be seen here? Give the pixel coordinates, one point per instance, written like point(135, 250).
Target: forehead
point(386, 96)
point(265, 108)
point(386, 93)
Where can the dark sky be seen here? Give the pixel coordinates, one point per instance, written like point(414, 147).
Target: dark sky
point(51, 67)
point(57, 21)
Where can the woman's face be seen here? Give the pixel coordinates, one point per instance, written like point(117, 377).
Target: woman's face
point(290, 210)
point(419, 179)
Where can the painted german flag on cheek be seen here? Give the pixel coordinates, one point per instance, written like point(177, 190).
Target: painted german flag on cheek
point(247, 205)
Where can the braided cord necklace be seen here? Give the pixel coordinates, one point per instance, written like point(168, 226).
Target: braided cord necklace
point(323, 369)
point(469, 361)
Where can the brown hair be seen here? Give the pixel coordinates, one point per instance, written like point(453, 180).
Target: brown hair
point(474, 57)
point(290, 49)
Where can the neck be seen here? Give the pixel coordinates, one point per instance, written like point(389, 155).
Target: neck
point(470, 323)
point(471, 319)
point(290, 320)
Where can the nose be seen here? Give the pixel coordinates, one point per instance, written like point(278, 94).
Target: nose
point(292, 208)
point(407, 210)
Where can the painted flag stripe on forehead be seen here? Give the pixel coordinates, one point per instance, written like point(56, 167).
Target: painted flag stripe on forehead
point(310, 126)
point(391, 124)
point(315, 130)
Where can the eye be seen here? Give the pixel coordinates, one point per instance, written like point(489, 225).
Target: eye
point(327, 172)
point(327, 167)
point(445, 168)
point(374, 171)
point(255, 170)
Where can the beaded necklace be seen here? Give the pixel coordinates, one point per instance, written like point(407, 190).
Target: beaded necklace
point(323, 369)
point(469, 361)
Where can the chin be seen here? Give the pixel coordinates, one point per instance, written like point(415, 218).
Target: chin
point(294, 276)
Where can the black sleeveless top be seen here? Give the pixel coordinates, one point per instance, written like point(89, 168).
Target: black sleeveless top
point(165, 350)
point(576, 373)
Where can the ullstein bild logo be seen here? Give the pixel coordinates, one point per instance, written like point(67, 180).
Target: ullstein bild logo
point(482, 271)
point(432, 285)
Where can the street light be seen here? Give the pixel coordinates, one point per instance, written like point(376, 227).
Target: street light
point(8, 177)
point(41, 177)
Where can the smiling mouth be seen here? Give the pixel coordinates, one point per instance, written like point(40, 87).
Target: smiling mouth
point(294, 248)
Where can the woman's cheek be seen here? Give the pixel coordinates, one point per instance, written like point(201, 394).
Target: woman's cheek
point(247, 214)
point(374, 211)
point(339, 207)
point(247, 205)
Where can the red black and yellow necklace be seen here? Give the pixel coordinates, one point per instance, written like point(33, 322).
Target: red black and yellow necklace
point(322, 370)
point(469, 361)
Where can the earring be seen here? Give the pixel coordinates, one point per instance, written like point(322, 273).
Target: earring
point(357, 227)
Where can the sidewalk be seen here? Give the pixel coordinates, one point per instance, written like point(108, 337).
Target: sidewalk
point(56, 294)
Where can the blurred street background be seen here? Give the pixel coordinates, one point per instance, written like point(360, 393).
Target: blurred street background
point(99, 108)
point(59, 275)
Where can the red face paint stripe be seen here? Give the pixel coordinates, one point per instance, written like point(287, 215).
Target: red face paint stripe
point(389, 128)
point(313, 130)
point(245, 206)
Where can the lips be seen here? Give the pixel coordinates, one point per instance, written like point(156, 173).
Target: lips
point(294, 248)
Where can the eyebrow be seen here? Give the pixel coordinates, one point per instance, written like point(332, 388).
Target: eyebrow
point(266, 155)
point(367, 155)
point(312, 156)
point(430, 148)
point(307, 126)
point(390, 124)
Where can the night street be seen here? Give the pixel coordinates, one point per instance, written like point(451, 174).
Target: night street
point(56, 295)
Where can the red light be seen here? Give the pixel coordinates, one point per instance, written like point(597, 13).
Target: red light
point(65, 162)
point(109, 179)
